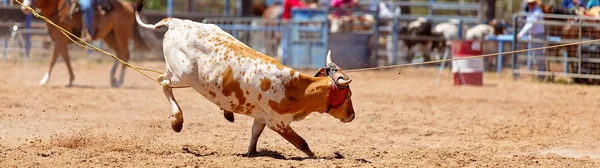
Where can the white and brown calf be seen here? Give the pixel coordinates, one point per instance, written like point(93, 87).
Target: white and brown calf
point(480, 31)
point(240, 80)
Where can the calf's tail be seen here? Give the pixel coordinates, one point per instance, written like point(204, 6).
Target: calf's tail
point(162, 23)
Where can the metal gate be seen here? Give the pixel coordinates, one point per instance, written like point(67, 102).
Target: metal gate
point(298, 44)
point(580, 62)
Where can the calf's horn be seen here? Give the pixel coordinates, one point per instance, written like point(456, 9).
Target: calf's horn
point(328, 58)
point(343, 82)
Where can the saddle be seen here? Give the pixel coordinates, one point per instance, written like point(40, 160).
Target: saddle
point(102, 7)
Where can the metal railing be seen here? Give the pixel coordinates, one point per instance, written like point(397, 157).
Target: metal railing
point(299, 44)
point(17, 41)
point(580, 62)
point(391, 31)
point(17, 47)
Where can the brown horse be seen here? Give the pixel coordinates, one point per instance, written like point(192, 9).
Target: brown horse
point(115, 28)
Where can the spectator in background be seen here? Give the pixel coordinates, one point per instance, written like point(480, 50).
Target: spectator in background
point(288, 5)
point(575, 7)
point(592, 9)
point(274, 2)
point(340, 3)
point(535, 31)
point(313, 5)
point(569, 4)
point(592, 3)
point(275, 9)
point(343, 7)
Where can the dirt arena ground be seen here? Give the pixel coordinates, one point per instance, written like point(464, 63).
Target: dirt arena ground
point(403, 120)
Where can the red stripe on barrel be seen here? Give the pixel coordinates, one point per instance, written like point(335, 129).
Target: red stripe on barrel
point(467, 71)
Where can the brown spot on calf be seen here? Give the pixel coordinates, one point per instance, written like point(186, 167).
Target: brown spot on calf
point(265, 84)
point(298, 95)
point(240, 50)
point(165, 20)
point(231, 85)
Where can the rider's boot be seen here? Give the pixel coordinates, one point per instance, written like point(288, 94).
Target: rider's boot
point(100, 10)
point(72, 8)
point(85, 35)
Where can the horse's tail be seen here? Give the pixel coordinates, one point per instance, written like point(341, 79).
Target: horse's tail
point(143, 39)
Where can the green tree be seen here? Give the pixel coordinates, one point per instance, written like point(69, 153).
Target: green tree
point(154, 4)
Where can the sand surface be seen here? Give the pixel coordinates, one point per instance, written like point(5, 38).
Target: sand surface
point(403, 120)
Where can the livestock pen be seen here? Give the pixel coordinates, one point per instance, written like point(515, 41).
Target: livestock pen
point(579, 62)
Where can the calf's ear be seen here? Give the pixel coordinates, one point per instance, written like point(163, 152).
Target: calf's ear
point(321, 73)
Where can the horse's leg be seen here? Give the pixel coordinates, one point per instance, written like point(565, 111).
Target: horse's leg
point(113, 70)
point(123, 54)
point(111, 41)
point(104, 27)
point(67, 59)
point(122, 75)
point(123, 34)
point(59, 46)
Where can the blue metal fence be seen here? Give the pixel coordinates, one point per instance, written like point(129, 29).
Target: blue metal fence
point(308, 33)
point(580, 62)
point(298, 43)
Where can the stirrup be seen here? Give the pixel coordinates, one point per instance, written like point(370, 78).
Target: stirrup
point(101, 11)
point(85, 35)
point(72, 10)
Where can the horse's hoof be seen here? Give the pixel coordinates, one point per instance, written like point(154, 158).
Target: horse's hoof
point(251, 153)
point(71, 82)
point(114, 83)
point(310, 155)
point(45, 79)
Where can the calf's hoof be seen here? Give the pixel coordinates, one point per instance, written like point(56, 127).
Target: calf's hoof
point(177, 122)
point(229, 116)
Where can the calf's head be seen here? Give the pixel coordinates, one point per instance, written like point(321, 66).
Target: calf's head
point(339, 102)
point(419, 27)
point(499, 26)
